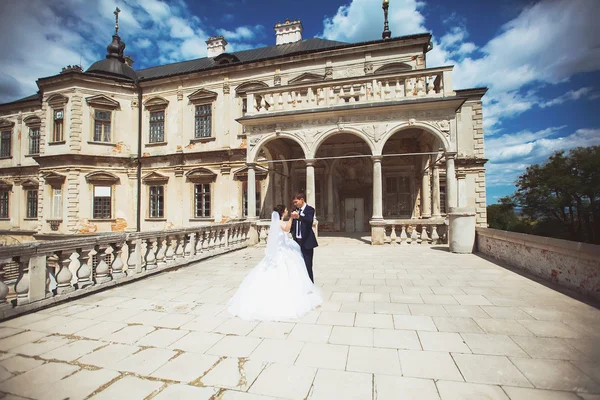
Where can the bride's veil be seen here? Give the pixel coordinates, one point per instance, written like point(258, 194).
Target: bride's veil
point(275, 233)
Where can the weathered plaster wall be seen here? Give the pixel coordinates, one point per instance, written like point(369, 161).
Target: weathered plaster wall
point(570, 264)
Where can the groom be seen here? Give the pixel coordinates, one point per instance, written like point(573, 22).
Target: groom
point(302, 231)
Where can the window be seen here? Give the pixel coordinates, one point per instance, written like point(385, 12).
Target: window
point(202, 200)
point(102, 202)
point(32, 204)
point(5, 143)
point(56, 203)
point(157, 201)
point(203, 120)
point(157, 126)
point(443, 197)
point(4, 203)
point(245, 198)
point(102, 126)
point(398, 196)
point(58, 133)
point(34, 140)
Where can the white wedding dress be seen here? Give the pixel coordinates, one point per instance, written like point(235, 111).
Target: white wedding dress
point(278, 288)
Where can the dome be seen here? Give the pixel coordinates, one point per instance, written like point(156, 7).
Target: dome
point(114, 64)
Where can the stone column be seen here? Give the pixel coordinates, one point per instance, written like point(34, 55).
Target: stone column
point(451, 195)
point(436, 192)
point(310, 183)
point(251, 191)
point(377, 188)
point(330, 213)
point(426, 192)
point(461, 178)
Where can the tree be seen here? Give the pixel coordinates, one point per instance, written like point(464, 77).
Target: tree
point(502, 215)
point(562, 196)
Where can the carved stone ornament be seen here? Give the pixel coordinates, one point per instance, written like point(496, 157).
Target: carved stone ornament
point(375, 132)
point(412, 121)
point(254, 141)
point(368, 68)
point(442, 125)
point(328, 73)
point(226, 87)
point(277, 79)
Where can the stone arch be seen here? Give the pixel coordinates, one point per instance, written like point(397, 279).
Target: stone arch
point(336, 131)
point(415, 124)
point(250, 85)
point(257, 143)
point(393, 67)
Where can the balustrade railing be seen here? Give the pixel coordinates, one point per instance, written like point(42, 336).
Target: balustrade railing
point(60, 269)
point(432, 82)
point(415, 231)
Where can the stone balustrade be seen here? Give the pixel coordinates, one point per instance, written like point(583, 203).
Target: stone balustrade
point(415, 231)
point(414, 84)
point(53, 271)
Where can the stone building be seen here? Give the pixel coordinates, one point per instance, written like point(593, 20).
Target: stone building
point(373, 136)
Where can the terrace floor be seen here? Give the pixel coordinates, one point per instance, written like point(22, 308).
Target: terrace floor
point(400, 322)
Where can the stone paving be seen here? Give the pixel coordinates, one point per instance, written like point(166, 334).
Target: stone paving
point(400, 322)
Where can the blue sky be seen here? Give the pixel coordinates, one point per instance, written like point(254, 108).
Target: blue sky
point(540, 59)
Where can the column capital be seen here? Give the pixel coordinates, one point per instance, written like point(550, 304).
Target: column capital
point(450, 155)
point(251, 165)
point(377, 158)
point(461, 174)
point(310, 162)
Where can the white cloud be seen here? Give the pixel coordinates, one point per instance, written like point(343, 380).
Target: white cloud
point(362, 20)
point(242, 32)
point(571, 95)
point(143, 43)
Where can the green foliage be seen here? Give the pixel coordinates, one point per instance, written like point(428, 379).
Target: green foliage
point(560, 198)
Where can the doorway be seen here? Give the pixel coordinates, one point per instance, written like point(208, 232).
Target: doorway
point(354, 214)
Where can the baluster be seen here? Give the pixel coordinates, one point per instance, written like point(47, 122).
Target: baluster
point(399, 89)
point(205, 241)
point(3, 287)
point(408, 84)
point(262, 236)
point(403, 236)
point(117, 262)
point(263, 104)
point(151, 247)
point(250, 104)
point(223, 235)
point(387, 90)
point(236, 236)
point(131, 259)
point(52, 266)
point(84, 272)
point(64, 275)
point(321, 97)
point(217, 240)
point(430, 85)
point(434, 235)
point(190, 245)
point(342, 95)
point(102, 269)
point(352, 94)
point(179, 241)
point(161, 254)
point(309, 97)
point(200, 238)
point(170, 254)
point(271, 101)
point(332, 96)
point(441, 84)
point(299, 100)
point(424, 237)
point(420, 86)
point(280, 101)
point(362, 94)
point(22, 284)
point(290, 100)
point(413, 235)
point(393, 236)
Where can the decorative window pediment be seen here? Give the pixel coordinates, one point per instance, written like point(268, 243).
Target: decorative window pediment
point(201, 175)
point(30, 184)
point(54, 179)
point(4, 185)
point(32, 120)
point(259, 172)
point(57, 100)
point(225, 58)
point(6, 123)
point(154, 178)
point(244, 87)
point(202, 96)
point(307, 77)
point(156, 103)
point(102, 178)
point(393, 67)
point(102, 101)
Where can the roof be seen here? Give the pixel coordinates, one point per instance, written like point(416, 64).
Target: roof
point(199, 64)
point(33, 97)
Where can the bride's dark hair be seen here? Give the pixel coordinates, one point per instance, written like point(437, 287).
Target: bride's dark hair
point(280, 208)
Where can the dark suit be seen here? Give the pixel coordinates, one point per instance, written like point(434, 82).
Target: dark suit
point(307, 241)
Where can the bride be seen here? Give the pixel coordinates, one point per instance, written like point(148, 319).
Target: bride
point(278, 288)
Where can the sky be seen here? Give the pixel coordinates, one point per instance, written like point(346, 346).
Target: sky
point(539, 59)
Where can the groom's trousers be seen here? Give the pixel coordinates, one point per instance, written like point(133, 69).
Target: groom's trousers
point(308, 260)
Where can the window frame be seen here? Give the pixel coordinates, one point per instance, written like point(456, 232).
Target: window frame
point(6, 143)
point(99, 203)
point(158, 197)
point(103, 123)
point(207, 116)
point(205, 197)
point(56, 209)
point(28, 201)
point(58, 126)
point(34, 139)
point(5, 203)
point(156, 122)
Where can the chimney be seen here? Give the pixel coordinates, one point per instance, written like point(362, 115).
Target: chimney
point(216, 46)
point(288, 32)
